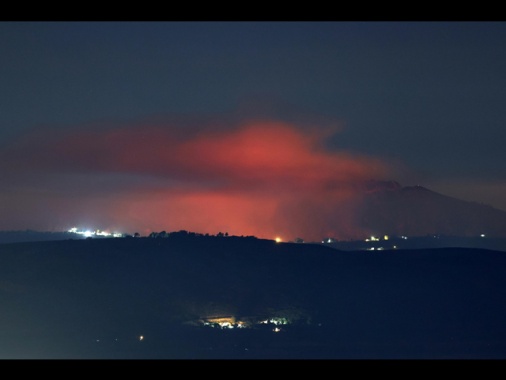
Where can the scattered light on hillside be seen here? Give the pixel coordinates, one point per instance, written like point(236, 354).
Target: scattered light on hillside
point(90, 233)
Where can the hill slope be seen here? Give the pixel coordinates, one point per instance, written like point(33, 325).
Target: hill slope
point(151, 297)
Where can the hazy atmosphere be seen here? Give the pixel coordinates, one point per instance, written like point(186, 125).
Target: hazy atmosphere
point(252, 190)
point(254, 128)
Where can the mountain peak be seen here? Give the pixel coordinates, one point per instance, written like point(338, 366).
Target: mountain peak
point(418, 211)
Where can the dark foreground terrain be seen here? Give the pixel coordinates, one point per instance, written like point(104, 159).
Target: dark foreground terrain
point(207, 297)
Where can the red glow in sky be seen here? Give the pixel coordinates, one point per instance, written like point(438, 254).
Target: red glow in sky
point(261, 178)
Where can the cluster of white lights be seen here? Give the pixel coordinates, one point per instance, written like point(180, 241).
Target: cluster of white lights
point(226, 325)
point(230, 324)
point(276, 321)
point(374, 238)
point(89, 233)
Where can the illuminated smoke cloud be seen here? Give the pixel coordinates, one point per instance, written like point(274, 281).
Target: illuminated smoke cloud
point(260, 178)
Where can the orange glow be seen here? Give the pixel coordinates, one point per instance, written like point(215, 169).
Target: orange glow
point(254, 179)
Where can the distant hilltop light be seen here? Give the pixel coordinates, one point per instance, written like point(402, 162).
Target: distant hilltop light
point(89, 233)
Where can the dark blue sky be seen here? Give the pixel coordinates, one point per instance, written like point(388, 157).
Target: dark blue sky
point(424, 97)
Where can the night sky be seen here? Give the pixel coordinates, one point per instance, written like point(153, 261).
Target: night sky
point(253, 128)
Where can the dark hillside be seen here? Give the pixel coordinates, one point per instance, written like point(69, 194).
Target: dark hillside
point(159, 297)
